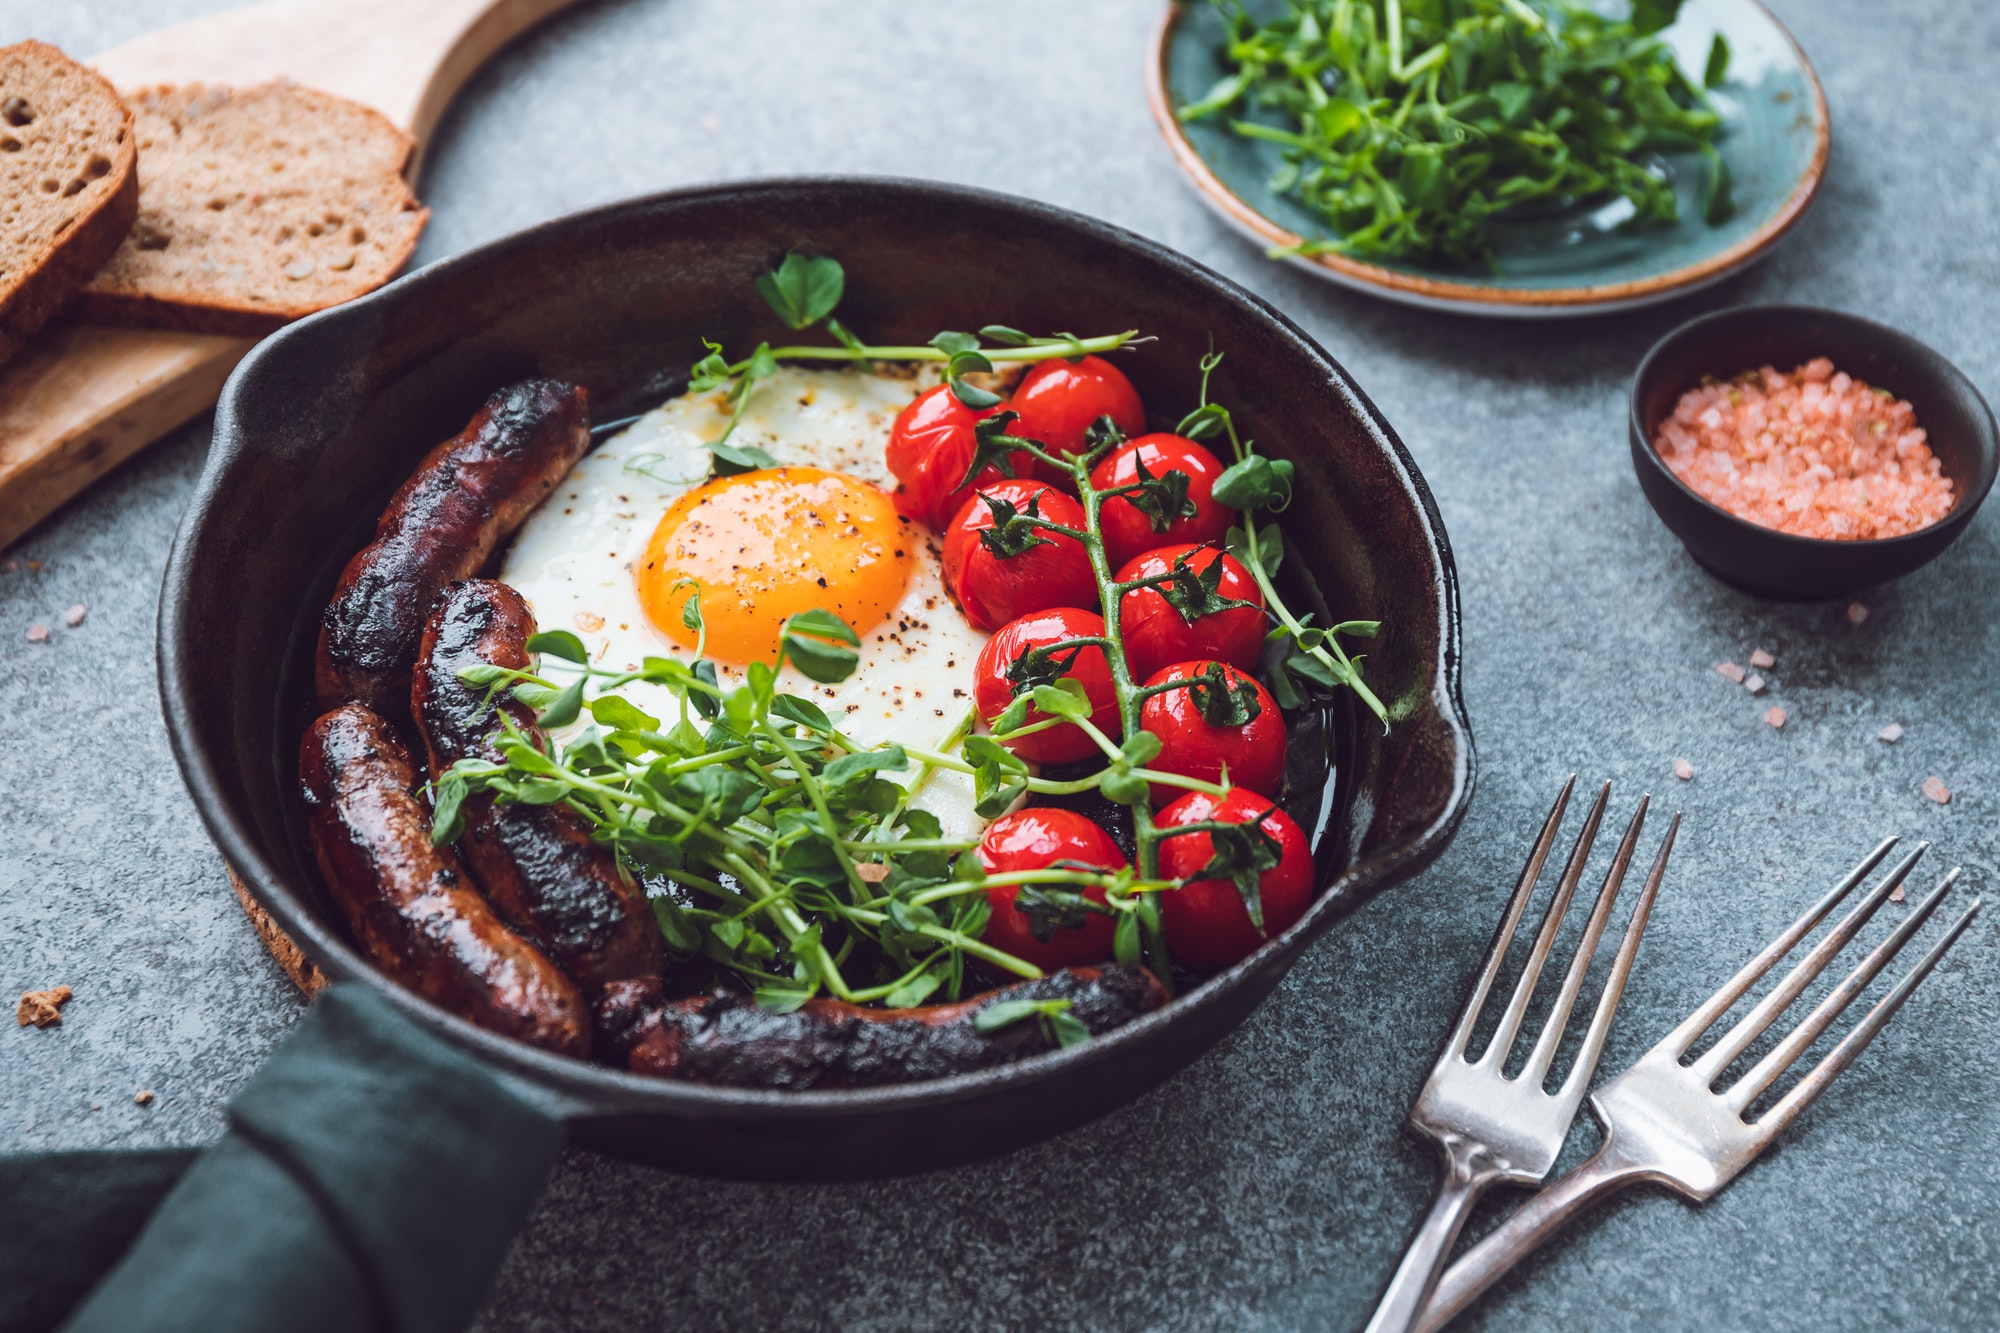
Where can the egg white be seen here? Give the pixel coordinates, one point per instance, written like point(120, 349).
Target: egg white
point(574, 559)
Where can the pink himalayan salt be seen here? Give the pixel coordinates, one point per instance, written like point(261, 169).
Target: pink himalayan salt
point(1754, 683)
point(1814, 453)
point(1775, 717)
point(1935, 789)
point(74, 616)
point(1891, 733)
point(1856, 613)
point(38, 634)
point(1729, 671)
point(1762, 660)
point(1683, 770)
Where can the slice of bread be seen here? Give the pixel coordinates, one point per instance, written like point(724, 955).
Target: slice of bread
point(69, 183)
point(258, 206)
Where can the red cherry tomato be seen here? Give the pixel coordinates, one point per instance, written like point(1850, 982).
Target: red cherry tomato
point(1253, 750)
point(930, 447)
point(995, 589)
point(1058, 402)
point(1156, 635)
point(1206, 922)
point(1128, 532)
point(1035, 840)
point(992, 691)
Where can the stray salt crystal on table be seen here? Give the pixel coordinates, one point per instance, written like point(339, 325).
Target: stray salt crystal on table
point(1729, 671)
point(1856, 613)
point(1754, 684)
point(1683, 770)
point(74, 616)
point(1891, 733)
point(1935, 789)
point(1761, 659)
point(1775, 717)
point(38, 634)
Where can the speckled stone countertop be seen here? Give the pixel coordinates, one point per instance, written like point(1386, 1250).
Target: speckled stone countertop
point(1270, 1185)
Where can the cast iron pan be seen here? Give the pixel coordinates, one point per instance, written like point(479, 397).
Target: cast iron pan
point(324, 419)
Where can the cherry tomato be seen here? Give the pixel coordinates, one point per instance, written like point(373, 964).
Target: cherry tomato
point(1156, 635)
point(1129, 532)
point(1058, 402)
point(1036, 839)
point(1206, 922)
point(930, 447)
point(992, 691)
point(1199, 735)
point(995, 589)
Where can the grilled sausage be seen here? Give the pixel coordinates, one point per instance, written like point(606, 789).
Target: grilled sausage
point(725, 1038)
point(538, 863)
point(445, 522)
point(416, 915)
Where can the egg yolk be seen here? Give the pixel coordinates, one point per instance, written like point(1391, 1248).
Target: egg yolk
point(762, 546)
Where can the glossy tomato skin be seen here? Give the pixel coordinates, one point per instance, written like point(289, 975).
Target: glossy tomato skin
point(995, 589)
point(1156, 636)
point(1192, 746)
point(930, 447)
point(1058, 402)
point(1036, 839)
point(992, 691)
point(1206, 922)
point(1128, 533)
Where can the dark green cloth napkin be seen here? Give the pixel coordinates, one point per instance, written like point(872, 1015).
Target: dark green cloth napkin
point(372, 1178)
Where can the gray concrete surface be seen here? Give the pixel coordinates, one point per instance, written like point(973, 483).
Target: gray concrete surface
point(1268, 1186)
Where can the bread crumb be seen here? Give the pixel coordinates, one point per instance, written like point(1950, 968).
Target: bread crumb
point(143, 1096)
point(42, 1008)
point(1935, 789)
point(1754, 683)
point(1760, 658)
point(1856, 613)
point(1896, 894)
point(1891, 733)
point(38, 634)
point(1775, 717)
point(74, 616)
point(1729, 671)
point(1683, 770)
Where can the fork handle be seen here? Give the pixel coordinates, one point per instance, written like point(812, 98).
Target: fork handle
point(1605, 1172)
point(1422, 1262)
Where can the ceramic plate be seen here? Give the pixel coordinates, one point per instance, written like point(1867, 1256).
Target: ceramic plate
point(1774, 142)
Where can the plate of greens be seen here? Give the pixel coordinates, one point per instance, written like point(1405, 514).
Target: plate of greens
point(1496, 157)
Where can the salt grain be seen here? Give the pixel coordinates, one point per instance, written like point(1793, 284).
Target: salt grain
point(74, 616)
point(1775, 717)
point(1935, 789)
point(1754, 684)
point(1813, 452)
point(38, 634)
point(1891, 733)
point(143, 1096)
point(1760, 658)
point(1683, 770)
point(1896, 894)
point(1856, 613)
point(1729, 671)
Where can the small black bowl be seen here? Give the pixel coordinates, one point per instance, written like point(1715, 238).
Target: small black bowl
point(1769, 563)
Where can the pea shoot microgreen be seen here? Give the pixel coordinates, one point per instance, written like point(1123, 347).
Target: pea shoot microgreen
point(787, 853)
point(1410, 126)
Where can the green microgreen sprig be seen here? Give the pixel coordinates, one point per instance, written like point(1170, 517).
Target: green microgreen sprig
point(1411, 126)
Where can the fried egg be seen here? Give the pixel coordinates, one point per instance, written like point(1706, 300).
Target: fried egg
point(642, 523)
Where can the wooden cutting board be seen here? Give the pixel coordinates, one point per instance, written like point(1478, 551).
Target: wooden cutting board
point(81, 399)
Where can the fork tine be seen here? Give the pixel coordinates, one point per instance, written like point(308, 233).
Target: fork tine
point(1780, 1058)
point(1841, 1056)
point(1496, 952)
point(1621, 968)
point(1751, 1025)
point(1732, 990)
point(1544, 1053)
point(1524, 989)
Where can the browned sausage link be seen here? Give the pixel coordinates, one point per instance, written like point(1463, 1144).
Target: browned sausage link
point(725, 1038)
point(537, 863)
point(414, 912)
point(464, 499)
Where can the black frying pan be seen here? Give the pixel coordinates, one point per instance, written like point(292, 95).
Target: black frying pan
point(322, 421)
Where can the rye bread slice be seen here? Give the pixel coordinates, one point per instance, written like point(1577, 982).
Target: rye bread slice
point(258, 206)
point(69, 183)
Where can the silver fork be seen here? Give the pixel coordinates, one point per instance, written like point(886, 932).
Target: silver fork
point(1662, 1119)
point(1490, 1128)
